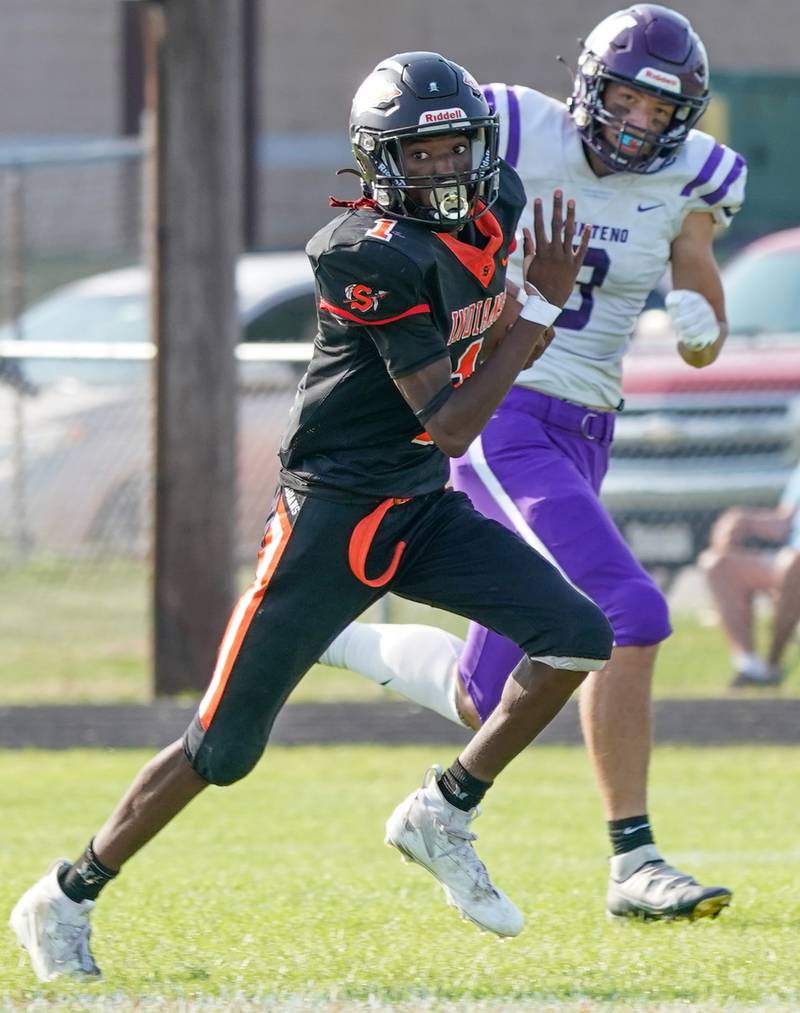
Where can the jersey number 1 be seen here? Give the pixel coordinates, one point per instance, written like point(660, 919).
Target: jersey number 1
point(382, 229)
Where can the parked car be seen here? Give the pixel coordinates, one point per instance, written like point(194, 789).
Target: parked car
point(75, 434)
point(689, 443)
point(692, 442)
point(275, 293)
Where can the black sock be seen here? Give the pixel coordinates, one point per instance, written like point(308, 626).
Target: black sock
point(630, 833)
point(461, 789)
point(86, 878)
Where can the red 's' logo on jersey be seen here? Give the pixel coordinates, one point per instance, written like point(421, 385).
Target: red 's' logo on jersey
point(362, 298)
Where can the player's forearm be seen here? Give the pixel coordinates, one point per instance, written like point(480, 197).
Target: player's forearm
point(469, 408)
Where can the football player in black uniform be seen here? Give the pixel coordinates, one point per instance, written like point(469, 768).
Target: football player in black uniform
point(414, 352)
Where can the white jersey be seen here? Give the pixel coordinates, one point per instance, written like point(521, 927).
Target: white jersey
point(634, 220)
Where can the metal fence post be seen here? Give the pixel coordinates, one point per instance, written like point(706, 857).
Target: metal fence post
point(15, 197)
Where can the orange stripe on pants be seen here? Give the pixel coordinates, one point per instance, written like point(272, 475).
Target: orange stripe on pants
point(275, 542)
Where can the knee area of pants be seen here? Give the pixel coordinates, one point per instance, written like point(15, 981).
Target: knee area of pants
point(228, 764)
point(599, 630)
point(588, 631)
point(643, 614)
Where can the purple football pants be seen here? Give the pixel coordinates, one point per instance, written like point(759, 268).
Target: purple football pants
point(537, 468)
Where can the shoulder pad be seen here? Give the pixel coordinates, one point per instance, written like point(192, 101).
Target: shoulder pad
point(521, 111)
point(365, 280)
point(713, 177)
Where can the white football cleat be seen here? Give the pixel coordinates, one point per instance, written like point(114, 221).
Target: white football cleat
point(428, 830)
point(54, 929)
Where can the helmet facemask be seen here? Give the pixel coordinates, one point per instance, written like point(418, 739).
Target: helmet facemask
point(445, 202)
point(636, 150)
point(655, 51)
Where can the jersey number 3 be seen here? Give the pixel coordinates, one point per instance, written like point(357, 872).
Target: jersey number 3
point(598, 262)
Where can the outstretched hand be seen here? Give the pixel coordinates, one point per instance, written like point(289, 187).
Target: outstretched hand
point(552, 264)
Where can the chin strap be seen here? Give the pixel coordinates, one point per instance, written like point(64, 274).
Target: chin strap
point(362, 202)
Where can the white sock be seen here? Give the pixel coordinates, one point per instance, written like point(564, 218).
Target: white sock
point(418, 662)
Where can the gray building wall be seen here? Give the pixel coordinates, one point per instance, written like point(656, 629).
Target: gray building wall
point(60, 70)
point(315, 53)
point(59, 67)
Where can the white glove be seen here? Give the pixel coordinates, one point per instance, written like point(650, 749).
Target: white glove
point(693, 318)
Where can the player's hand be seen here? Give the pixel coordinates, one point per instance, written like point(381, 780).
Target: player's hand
point(696, 325)
point(553, 266)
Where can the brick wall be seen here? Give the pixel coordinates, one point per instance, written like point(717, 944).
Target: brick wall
point(60, 66)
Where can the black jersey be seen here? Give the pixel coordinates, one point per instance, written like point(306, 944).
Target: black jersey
point(393, 296)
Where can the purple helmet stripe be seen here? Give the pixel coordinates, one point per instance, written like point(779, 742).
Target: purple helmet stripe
point(708, 170)
point(733, 175)
point(512, 151)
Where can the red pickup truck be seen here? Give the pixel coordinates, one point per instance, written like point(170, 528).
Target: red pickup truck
point(692, 442)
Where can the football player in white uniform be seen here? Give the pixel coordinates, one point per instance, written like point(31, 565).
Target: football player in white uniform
point(654, 189)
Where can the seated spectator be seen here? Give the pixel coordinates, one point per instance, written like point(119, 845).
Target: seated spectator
point(738, 568)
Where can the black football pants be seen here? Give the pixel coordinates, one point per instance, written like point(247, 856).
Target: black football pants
point(322, 563)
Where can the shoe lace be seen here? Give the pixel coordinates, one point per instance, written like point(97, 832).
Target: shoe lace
point(460, 840)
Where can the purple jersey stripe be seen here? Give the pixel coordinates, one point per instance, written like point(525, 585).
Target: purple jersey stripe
point(733, 175)
point(512, 150)
point(707, 171)
point(488, 93)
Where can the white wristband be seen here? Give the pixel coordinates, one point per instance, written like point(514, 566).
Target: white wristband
point(526, 291)
point(539, 311)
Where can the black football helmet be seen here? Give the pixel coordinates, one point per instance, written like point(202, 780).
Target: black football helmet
point(416, 95)
point(656, 50)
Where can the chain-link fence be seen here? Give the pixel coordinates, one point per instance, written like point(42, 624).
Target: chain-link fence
point(77, 423)
point(77, 402)
point(76, 513)
point(67, 210)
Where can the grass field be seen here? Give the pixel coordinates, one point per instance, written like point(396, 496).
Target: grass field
point(79, 634)
point(75, 633)
point(277, 893)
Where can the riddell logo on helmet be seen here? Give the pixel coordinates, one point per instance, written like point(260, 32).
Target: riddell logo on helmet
point(649, 75)
point(443, 116)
